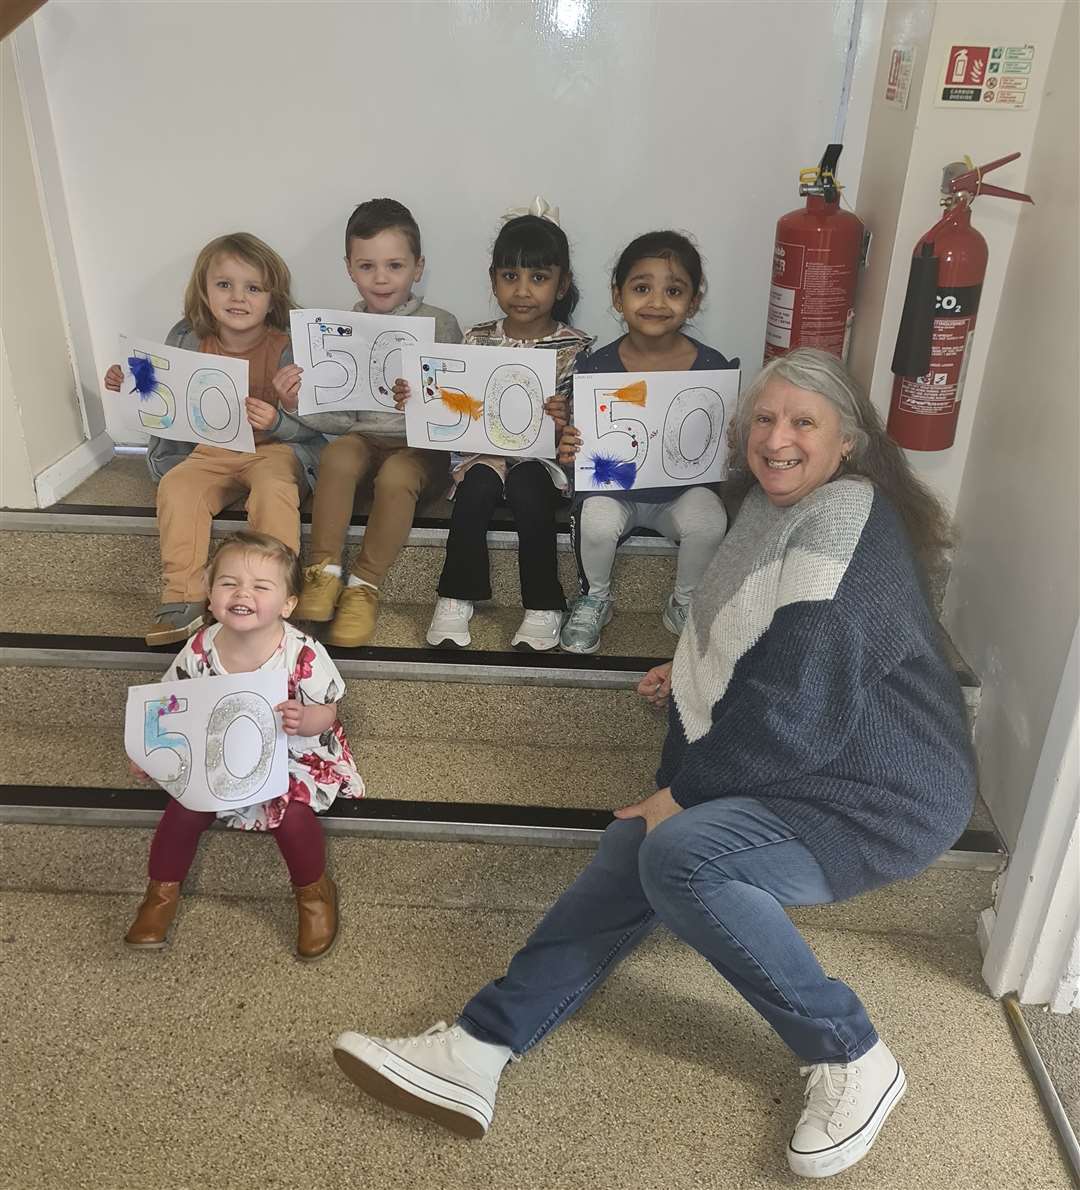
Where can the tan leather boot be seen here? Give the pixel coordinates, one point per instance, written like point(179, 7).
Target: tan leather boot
point(354, 620)
point(317, 917)
point(151, 925)
point(320, 594)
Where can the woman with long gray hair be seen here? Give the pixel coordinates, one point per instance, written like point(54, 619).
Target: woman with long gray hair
point(817, 747)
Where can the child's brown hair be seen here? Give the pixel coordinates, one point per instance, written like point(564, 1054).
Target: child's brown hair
point(262, 545)
point(252, 251)
point(382, 214)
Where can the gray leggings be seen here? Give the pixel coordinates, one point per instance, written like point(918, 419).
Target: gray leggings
point(695, 519)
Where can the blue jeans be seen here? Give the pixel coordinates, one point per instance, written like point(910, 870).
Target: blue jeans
point(717, 875)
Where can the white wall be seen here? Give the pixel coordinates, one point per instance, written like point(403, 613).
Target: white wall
point(889, 137)
point(1012, 603)
point(177, 121)
point(943, 135)
point(39, 401)
point(16, 474)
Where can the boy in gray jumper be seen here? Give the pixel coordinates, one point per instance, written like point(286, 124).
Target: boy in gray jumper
point(384, 261)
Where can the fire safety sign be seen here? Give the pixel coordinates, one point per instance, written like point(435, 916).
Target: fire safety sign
point(991, 77)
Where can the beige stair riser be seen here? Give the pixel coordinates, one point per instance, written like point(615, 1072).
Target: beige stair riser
point(122, 614)
point(132, 562)
point(482, 875)
point(541, 716)
point(398, 768)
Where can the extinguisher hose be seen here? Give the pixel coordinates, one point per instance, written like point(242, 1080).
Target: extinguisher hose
point(912, 354)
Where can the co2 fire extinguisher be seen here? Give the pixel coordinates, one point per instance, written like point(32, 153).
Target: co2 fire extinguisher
point(937, 327)
point(815, 265)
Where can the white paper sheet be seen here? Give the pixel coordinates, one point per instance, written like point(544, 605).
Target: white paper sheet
point(213, 743)
point(484, 400)
point(351, 360)
point(652, 429)
point(196, 398)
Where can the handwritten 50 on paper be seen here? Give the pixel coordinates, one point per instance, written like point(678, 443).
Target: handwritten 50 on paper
point(213, 743)
point(488, 400)
point(652, 429)
point(187, 396)
point(351, 360)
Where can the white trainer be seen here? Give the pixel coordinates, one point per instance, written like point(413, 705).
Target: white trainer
point(845, 1107)
point(444, 1074)
point(539, 631)
point(450, 623)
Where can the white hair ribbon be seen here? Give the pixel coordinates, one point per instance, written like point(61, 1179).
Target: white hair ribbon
point(540, 207)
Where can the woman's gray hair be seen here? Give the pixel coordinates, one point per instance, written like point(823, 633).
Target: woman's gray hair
point(873, 453)
point(817, 372)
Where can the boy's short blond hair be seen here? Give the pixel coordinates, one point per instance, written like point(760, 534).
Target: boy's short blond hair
point(253, 252)
point(262, 545)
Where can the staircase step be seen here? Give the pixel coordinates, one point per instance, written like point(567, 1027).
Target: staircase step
point(459, 875)
point(400, 766)
point(130, 562)
point(523, 708)
point(122, 616)
point(123, 481)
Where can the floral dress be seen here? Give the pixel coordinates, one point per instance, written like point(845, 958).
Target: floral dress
point(321, 767)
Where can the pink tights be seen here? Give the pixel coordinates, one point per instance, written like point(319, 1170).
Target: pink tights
point(299, 839)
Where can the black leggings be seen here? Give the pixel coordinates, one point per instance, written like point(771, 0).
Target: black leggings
point(533, 499)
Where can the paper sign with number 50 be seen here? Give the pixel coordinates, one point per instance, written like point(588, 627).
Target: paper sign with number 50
point(652, 429)
point(213, 743)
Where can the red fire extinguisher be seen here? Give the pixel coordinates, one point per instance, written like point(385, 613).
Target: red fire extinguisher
point(815, 265)
point(933, 345)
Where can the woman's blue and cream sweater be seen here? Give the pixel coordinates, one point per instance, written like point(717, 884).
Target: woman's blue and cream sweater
point(810, 676)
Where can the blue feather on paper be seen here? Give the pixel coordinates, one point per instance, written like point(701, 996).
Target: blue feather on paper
point(142, 372)
point(613, 472)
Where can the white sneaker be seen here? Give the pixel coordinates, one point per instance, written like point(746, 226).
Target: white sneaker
point(845, 1107)
point(450, 623)
point(538, 631)
point(444, 1074)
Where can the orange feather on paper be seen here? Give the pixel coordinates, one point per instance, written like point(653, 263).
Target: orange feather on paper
point(634, 394)
point(462, 403)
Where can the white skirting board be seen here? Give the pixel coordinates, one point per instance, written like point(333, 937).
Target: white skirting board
point(55, 482)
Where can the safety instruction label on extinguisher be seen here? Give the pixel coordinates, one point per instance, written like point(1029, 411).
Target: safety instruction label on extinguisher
point(781, 311)
point(991, 77)
point(939, 391)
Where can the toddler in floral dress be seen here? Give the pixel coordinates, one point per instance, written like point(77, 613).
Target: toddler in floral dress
point(253, 584)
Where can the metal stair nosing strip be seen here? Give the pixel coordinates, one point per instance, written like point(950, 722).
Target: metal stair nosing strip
point(975, 850)
point(139, 521)
point(400, 664)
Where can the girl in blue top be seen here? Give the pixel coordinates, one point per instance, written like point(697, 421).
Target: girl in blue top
point(657, 286)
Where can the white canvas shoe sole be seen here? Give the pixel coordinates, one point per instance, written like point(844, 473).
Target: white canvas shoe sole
point(831, 1161)
point(393, 1080)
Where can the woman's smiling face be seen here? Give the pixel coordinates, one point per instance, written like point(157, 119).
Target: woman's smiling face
point(796, 442)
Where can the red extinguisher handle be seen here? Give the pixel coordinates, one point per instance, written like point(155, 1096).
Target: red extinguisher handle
point(972, 183)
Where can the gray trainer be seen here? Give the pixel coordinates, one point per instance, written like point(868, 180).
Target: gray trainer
point(175, 622)
point(588, 616)
point(675, 614)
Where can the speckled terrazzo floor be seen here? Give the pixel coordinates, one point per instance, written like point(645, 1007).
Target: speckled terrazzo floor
point(208, 1065)
point(112, 859)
